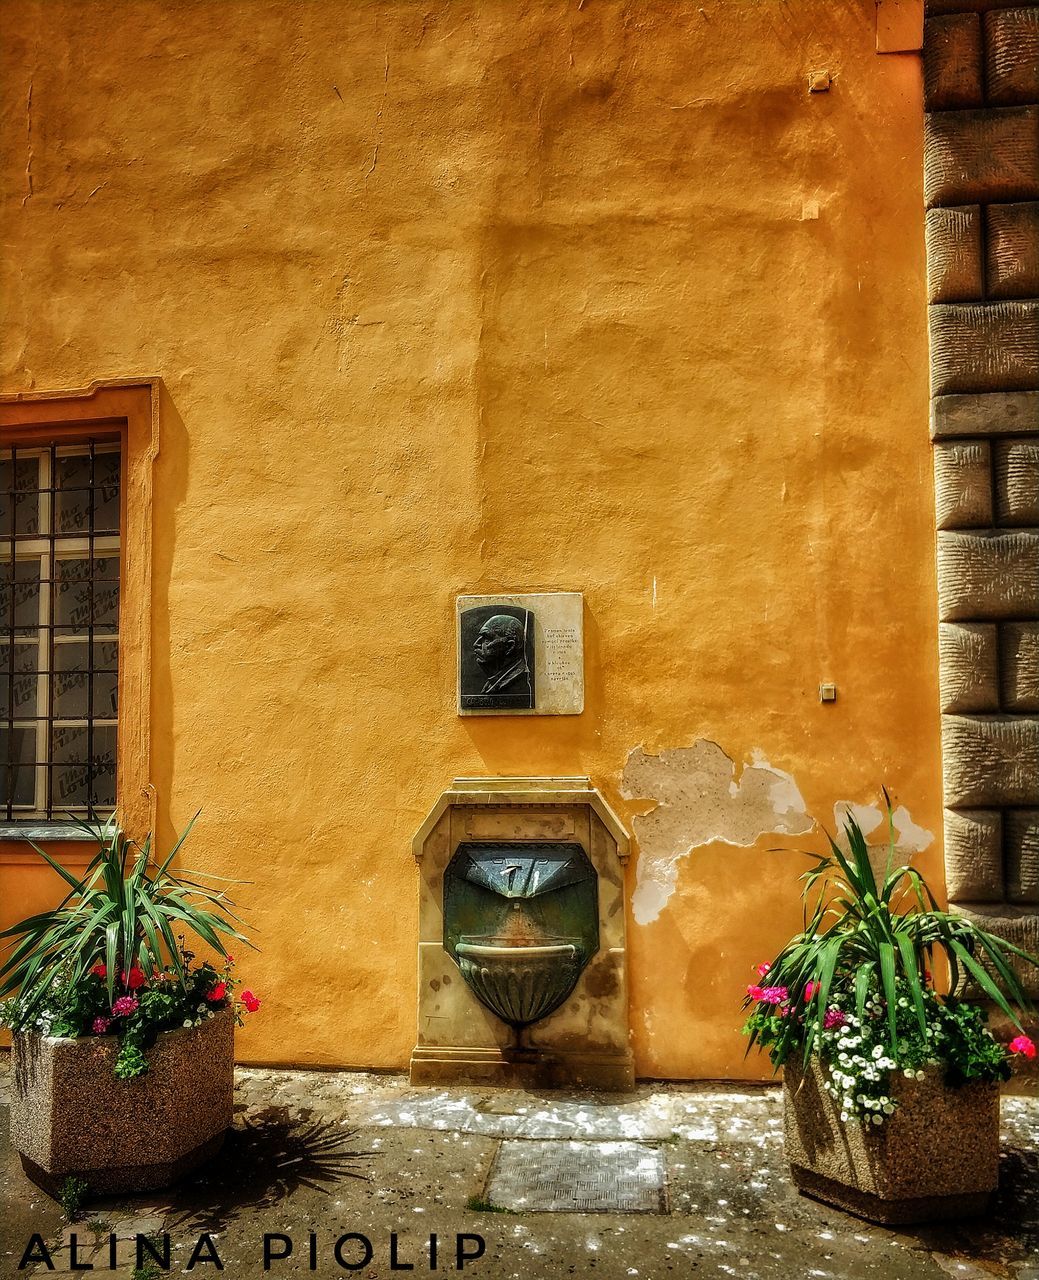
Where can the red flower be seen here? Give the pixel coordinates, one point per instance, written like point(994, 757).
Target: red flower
point(1022, 1044)
point(810, 989)
point(217, 993)
point(228, 960)
point(250, 1001)
point(763, 968)
point(99, 970)
point(134, 979)
point(756, 993)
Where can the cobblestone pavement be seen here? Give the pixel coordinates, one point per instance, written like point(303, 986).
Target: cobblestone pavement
point(315, 1156)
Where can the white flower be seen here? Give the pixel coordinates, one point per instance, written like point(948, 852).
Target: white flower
point(187, 1022)
point(878, 1119)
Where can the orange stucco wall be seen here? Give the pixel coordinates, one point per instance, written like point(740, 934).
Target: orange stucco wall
point(480, 297)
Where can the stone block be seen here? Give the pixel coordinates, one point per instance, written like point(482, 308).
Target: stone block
point(1012, 56)
point(1022, 839)
point(938, 7)
point(984, 347)
point(968, 665)
point(974, 855)
point(993, 414)
point(1015, 924)
point(1012, 250)
point(990, 761)
point(963, 484)
point(988, 574)
point(1017, 481)
point(952, 62)
point(936, 1157)
point(71, 1116)
point(954, 256)
point(974, 157)
point(1019, 666)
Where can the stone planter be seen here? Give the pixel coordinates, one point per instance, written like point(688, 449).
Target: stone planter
point(936, 1157)
point(71, 1117)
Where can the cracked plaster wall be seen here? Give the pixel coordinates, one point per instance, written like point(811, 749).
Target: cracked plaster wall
point(481, 297)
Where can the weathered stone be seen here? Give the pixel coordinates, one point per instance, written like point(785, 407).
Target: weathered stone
point(968, 667)
point(952, 62)
point(1019, 665)
point(1022, 839)
point(1012, 56)
point(992, 414)
point(1015, 924)
point(936, 1157)
point(990, 761)
point(1017, 481)
point(954, 255)
point(963, 484)
point(973, 157)
point(1012, 250)
point(984, 346)
point(71, 1116)
point(937, 7)
point(974, 855)
point(988, 575)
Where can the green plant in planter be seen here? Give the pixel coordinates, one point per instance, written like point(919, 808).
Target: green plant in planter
point(855, 986)
point(112, 958)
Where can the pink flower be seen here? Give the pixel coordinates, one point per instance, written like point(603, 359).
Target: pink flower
point(124, 1006)
point(251, 1002)
point(763, 968)
point(833, 1018)
point(810, 989)
point(755, 993)
point(217, 993)
point(775, 995)
point(100, 1025)
point(1022, 1044)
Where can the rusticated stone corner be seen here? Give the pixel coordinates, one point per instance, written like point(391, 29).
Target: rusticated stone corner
point(973, 157)
point(974, 855)
point(953, 75)
point(955, 262)
point(1022, 855)
point(1012, 56)
point(963, 484)
point(996, 413)
point(968, 667)
point(988, 574)
point(1012, 251)
point(1017, 482)
point(991, 347)
point(1019, 666)
point(1018, 925)
point(990, 761)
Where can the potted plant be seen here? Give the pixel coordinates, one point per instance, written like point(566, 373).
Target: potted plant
point(891, 1086)
point(123, 1044)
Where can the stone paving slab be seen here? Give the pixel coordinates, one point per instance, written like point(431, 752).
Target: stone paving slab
point(316, 1156)
point(535, 1175)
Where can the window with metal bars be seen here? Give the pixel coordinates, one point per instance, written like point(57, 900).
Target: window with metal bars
point(59, 629)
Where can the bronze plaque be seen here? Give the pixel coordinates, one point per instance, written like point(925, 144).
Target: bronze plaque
point(497, 658)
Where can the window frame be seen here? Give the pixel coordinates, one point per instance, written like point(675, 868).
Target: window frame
point(127, 411)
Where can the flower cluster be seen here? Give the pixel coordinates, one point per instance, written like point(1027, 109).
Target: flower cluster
point(137, 1008)
point(858, 1051)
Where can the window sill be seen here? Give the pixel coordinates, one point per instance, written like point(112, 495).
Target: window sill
point(67, 831)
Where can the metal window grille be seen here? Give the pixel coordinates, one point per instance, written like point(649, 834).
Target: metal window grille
point(59, 629)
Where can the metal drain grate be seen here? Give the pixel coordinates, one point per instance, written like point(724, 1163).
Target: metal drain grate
point(553, 1176)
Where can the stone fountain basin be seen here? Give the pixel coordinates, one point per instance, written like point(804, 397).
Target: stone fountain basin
point(520, 983)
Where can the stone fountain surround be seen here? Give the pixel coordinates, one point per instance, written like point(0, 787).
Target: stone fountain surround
point(586, 1041)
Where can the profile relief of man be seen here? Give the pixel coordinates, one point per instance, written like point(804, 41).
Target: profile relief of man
point(500, 649)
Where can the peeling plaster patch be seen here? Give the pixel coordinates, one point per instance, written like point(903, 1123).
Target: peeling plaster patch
point(909, 836)
point(868, 816)
point(700, 801)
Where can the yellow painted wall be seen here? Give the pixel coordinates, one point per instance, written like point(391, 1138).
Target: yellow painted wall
point(477, 297)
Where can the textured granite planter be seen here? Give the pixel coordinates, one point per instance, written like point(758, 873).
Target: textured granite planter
point(936, 1157)
point(70, 1116)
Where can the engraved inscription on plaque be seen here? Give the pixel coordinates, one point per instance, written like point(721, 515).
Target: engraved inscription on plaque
point(521, 654)
point(497, 658)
